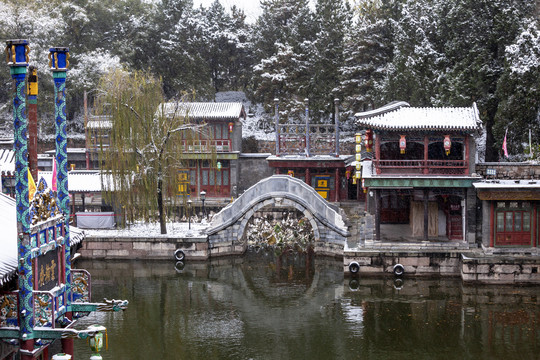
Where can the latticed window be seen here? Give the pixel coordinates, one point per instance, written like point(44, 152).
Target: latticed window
point(513, 227)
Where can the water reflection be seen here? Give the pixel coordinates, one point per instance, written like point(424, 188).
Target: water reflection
point(296, 307)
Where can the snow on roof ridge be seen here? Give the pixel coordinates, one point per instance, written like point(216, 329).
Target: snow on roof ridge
point(394, 105)
point(208, 110)
point(423, 118)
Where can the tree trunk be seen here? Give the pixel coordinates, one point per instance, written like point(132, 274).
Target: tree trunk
point(161, 211)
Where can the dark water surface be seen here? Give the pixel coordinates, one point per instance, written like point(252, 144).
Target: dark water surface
point(257, 307)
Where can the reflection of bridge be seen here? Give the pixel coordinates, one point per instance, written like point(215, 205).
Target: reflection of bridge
point(226, 234)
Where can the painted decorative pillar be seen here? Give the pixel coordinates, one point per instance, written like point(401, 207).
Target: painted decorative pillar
point(491, 224)
point(336, 103)
point(467, 162)
point(426, 214)
point(17, 58)
point(306, 101)
point(378, 151)
point(336, 184)
point(426, 155)
point(32, 92)
point(377, 193)
point(59, 62)
point(276, 102)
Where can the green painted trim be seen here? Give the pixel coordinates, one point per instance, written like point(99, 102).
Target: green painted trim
point(418, 182)
point(83, 307)
point(9, 333)
point(205, 156)
point(16, 70)
point(31, 101)
point(59, 74)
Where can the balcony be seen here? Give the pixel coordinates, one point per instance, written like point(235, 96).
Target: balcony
point(206, 146)
point(421, 167)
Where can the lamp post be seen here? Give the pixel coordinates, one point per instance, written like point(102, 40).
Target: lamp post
point(189, 213)
point(203, 197)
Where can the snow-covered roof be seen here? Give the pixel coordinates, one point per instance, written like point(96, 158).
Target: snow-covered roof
point(399, 116)
point(314, 158)
point(200, 111)
point(78, 180)
point(8, 240)
point(507, 184)
point(7, 160)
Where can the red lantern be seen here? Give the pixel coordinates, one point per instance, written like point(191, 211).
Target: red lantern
point(231, 126)
point(402, 144)
point(447, 144)
point(369, 140)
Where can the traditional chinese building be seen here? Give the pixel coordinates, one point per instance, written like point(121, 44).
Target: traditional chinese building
point(419, 183)
point(311, 152)
point(510, 196)
point(222, 136)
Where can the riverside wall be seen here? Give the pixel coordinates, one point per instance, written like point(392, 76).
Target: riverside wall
point(158, 248)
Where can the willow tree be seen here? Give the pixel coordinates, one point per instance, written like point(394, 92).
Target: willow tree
point(144, 145)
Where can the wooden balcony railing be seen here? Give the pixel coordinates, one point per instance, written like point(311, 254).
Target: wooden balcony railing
point(422, 167)
point(197, 146)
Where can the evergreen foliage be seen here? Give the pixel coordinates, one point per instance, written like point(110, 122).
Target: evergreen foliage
point(426, 52)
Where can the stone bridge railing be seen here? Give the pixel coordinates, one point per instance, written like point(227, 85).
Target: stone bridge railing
point(227, 229)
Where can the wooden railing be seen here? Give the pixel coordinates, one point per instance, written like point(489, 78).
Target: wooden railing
point(422, 167)
point(196, 146)
point(292, 139)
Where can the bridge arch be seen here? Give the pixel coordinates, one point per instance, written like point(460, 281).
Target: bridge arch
point(227, 228)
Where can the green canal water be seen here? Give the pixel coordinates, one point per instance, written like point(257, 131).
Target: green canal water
point(263, 307)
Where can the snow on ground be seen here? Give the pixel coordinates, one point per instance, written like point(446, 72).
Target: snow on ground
point(146, 230)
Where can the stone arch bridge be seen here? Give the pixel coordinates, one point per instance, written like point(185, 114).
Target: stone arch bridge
point(226, 232)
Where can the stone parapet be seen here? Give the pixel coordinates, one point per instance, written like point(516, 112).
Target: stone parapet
point(475, 266)
point(521, 170)
point(194, 248)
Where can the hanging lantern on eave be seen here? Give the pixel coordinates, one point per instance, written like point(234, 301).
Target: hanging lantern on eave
point(348, 174)
point(369, 140)
point(358, 138)
point(447, 144)
point(402, 144)
point(231, 127)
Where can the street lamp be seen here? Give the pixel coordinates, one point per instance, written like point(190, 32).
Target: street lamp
point(203, 197)
point(189, 213)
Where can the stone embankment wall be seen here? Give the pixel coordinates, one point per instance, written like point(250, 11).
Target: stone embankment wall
point(503, 270)
point(444, 263)
point(143, 248)
point(476, 267)
point(510, 170)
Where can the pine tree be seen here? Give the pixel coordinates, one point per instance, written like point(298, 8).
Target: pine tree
point(475, 52)
point(367, 54)
point(519, 91)
point(332, 20)
point(413, 72)
point(283, 41)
